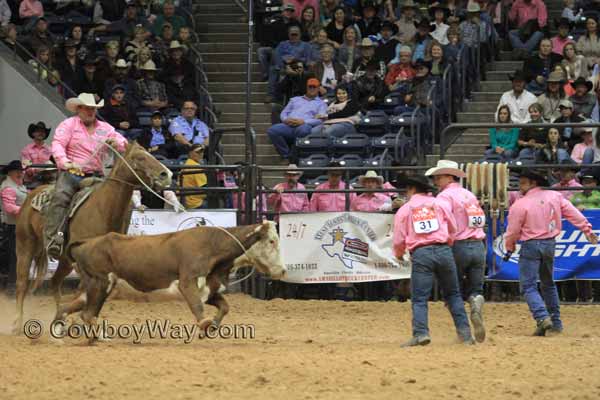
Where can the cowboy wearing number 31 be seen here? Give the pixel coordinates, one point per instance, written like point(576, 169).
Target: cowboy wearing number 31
point(78, 152)
point(468, 249)
point(535, 220)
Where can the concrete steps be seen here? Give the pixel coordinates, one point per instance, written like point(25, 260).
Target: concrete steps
point(241, 108)
point(234, 87)
point(202, 17)
point(231, 77)
point(230, 97)
point(229, 67)
point(481, 106)
point(234, 57)
point(222, 27)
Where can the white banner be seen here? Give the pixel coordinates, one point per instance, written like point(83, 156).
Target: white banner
point(154, 222)
point(340, 247)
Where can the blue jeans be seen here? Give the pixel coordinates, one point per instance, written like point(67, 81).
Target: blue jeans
point(536, 261)
point(528, 152)
point(506, 155)
point(469, 256)
point(530, 45)
point(283, 136)
point(429, 261)
point(588, 158)
point(265, 55)
point(334, 130)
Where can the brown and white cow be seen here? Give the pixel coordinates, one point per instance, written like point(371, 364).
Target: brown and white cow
point(197, 260)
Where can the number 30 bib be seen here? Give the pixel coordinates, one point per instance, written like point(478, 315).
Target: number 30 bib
point(475, 215)
point(425, 220)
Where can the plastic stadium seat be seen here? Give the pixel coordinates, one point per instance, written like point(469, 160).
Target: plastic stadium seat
point(525, 160)
point(144, 118)
point(314, 160)
point(398, 122)
point(380, 144)
point(377, 161)
point(182, 159)
point(393, 99)
point(79, 20)
point(351, 160)
point(101, 40)
point(352, 143)
point(317, 181)
point(317, 143)
point(375, 123)
point(133, 134)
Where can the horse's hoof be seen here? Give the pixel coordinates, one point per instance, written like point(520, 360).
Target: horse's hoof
point(205, 323)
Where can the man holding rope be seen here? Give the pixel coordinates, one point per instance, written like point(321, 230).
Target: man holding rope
point(76, 147)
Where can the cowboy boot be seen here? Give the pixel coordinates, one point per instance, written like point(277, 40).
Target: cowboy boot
point(476, 303)
point(56, 214)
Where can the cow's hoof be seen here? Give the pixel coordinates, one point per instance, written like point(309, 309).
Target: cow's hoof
point(206, 323)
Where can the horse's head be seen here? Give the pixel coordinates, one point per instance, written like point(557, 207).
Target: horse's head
point(266, 252)
point(148, 168)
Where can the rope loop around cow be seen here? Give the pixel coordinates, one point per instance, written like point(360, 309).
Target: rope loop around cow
point(180, 207)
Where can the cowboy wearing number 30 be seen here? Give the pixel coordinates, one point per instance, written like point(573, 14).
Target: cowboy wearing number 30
point(78, 152)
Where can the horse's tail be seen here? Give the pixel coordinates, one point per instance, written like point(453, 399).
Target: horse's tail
point(40, 270)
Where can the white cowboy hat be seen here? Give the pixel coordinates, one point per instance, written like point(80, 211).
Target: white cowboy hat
point(473, 8)
point(121, 63)
point(175, 45)
point(84, 99)
point(370, 175)
point(446, 167)
point(293, 170)
point(149, 66)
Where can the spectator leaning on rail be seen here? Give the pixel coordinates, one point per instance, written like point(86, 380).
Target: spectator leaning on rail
point(194, 180)
point(77, 149)
point(567, 179)
point(36, 152)
point(535, 220)
point(531, 17)
point(518, 99)
point(299, 117)
point(372, 201)
point(331, 201)
point(187, 129)
point(425, 226)
point(289, 202)
point(13, 194)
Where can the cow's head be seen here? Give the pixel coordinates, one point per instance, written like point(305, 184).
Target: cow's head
point(266, 253)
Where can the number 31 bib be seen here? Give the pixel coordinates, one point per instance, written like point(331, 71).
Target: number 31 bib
point(475, 215)
point(425, 220)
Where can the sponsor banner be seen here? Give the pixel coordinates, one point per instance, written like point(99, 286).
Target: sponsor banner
point(575, 257)
point(339, 247)
point(154, 222)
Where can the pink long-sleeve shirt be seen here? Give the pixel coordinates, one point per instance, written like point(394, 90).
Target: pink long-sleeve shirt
point(369, 202)
point(538, 216)
point(289, 202)
point(36, 154)
point(522, 12)
point(578, 151)
point(31, 8)
point(462, 203)
point(330, 201)
point(73, 143)
point(9, 201)
point(405, 235)
point(567, 193)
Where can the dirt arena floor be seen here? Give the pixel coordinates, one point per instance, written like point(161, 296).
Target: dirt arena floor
point(307, 350)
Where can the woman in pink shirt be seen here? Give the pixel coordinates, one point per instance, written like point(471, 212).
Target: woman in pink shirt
point(580, 148)
point(36, 152)
point(31, 8)
point(371, 201)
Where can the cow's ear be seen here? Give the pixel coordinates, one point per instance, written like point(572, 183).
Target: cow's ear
point(264, 229)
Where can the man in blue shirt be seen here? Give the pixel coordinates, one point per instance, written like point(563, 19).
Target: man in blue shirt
point(187, 129)
point(298, 118)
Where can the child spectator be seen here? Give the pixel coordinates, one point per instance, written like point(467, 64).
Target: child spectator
point(569, 13)
point(42, 62)
point(119, 112)
point(196, 179)
point(157, 139)
point(503, 141)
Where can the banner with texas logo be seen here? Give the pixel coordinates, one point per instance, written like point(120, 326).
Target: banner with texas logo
point(336, 247)
point(575, 257)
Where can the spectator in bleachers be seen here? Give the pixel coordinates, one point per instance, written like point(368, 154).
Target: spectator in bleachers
point(321, 202)
point(88, 81)
point(530, 16)
point(406, 29)
point(185, 37)
point(121, 77)
point(439, 12)
point(5, 14)
point(587, 199)
point(341, 115)
point(518, 99)
point(370, 87)
point(298, 118)
point(435, 55)
point(574, 64)
point(150, 92)
point(570, 13)
point(168, 15)
point(195, 180)
point(533, 139)
point(157, 139)
point(69, 66)
point(367, 52)
point(538, 67)
point(40, 36)
point(309, 24)
point(36, 152)
point(550, 100)
point(387, 43)
point(370, 23)
point(144, 56)
point(583, 100)
point(315, 46)
point(349, 52)
point(503, 141)
point(328, 8)
point(328, 71)
point(289, 202)
point(179, 76)
point(294, 82)
point(472, 33)
point(118, 111)
point(562, 38)
point(277, 33)
point(570, 136)
point(29, 10)
point(187, 129)
point(107, 11)
point(9, 38)
point(43, 57)
point(373, 201)
point(125, 25)
point(54, 81)
point(580, 148)
point(335, 29)
point(454, 47)
point(420, 42)
point(553, 151)
point(588, 44)
point(567, 179)
point(402, 73)
point(137, 42)
point(417, 90)
point(106, 63)
point(76, 34)
point(300, 5)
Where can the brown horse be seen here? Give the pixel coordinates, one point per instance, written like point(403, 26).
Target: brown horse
point(106, 210)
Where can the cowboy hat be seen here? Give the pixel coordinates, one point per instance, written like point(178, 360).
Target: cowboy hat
point(366, 42)
point(90, 60)
point(446, 167)
point(370, 175)
point(556, 77)
point(518, 75)
point(565, 103)
point(149, 66)
point(582, 81)
point(568, 161)
point(121, 63)
point(473, 7)
point(293, 170)
point(438, 6)
point(84, 99)
point(338, 168)
point(534, 174)
point(175, 45)
point(40, 126)
point(418, 181)
point(425, 23)
point(14, 165)
point(409, 4)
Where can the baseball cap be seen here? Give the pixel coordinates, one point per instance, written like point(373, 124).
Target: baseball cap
point(289, 7)
point(313, 82)
point(565, 103)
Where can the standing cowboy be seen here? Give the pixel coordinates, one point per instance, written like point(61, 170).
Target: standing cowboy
point(535, 219)
point(289, 202)
point(426, 227)
point(468, 249)
point(77, 150)
point(36, 152)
